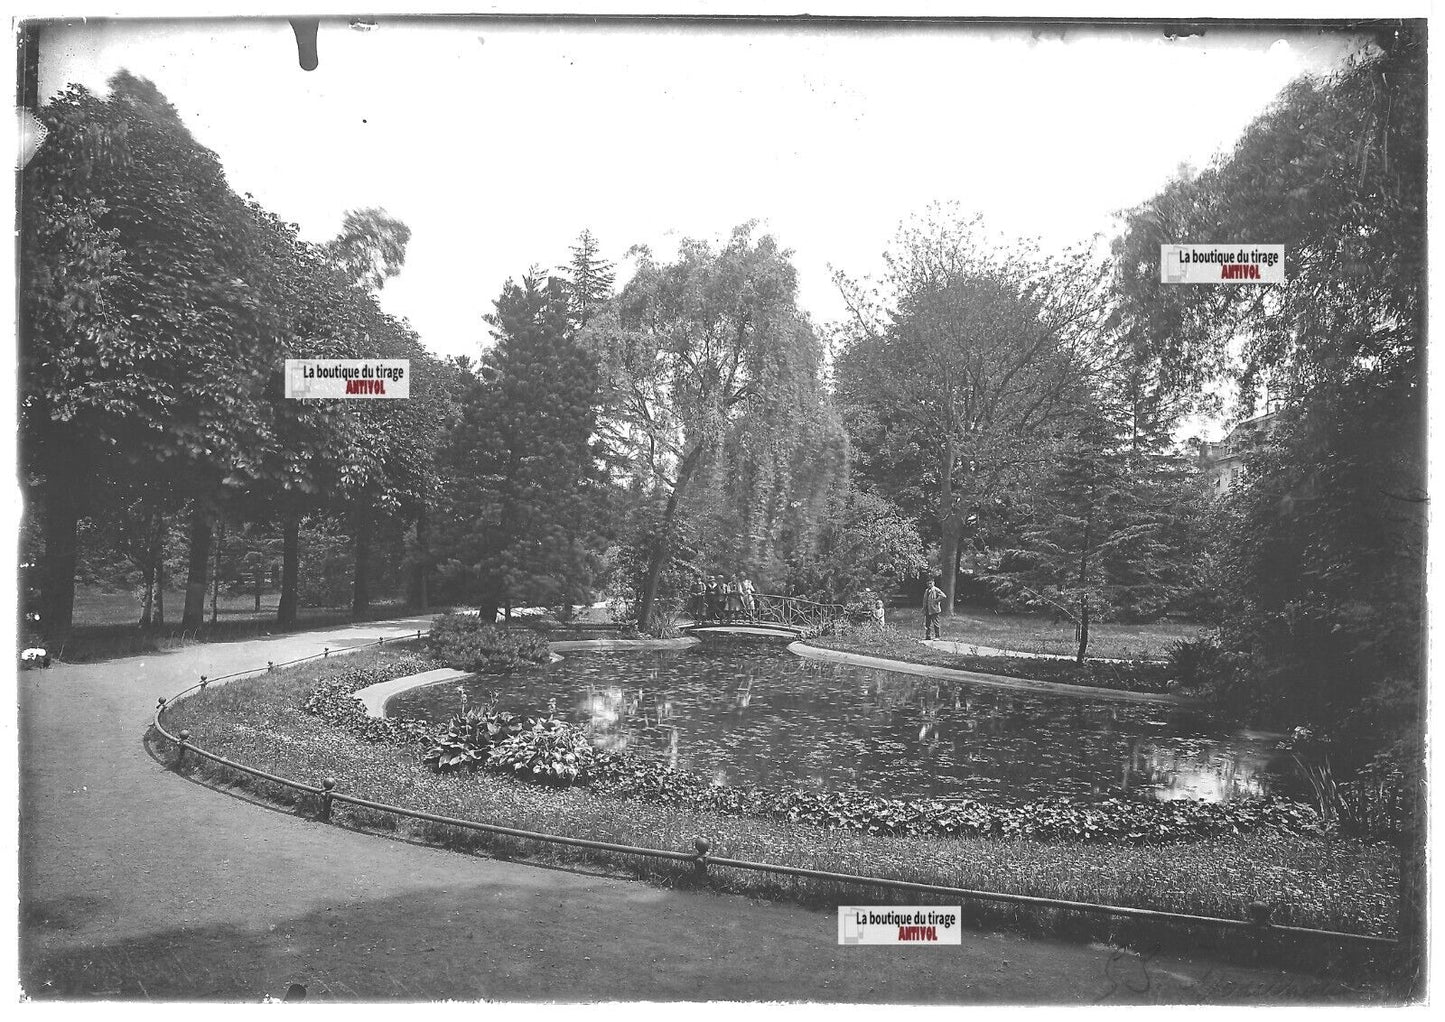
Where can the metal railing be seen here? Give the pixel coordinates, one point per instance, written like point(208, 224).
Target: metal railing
point(766, 609)
point(1259, 924)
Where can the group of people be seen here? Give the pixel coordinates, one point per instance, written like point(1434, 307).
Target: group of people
point(715, 598)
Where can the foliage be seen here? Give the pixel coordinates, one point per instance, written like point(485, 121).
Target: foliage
point(470, 737)
point(1194, 662)
point(371, 247)
point(519, 511)
point(1321, 549)
point(331, 700)
point(955, 380)
point(864, 542)
point(589, 279)
point(713, 383)
point(549, 751)
point(467, 642)
point(1109, 820)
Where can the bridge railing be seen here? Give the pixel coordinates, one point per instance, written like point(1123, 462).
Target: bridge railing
point(769, 608)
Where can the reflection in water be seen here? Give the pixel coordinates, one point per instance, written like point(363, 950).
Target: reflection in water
point(759, 715)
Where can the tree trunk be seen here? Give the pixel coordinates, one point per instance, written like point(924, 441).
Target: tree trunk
point(159, 620)
point(57, 592)
point(423, 567)
point(148, 572)
point(216, 574)
point(361, 541)
point(260, 574)
point(661, 551)
point(948, 533)
point(1083, 628)
point(290, 556)
point(194, 614)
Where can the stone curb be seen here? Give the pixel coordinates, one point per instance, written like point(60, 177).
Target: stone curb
point(802, 649)
point(375, 697)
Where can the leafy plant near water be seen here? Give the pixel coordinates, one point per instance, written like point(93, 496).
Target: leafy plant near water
point(551, 751)
point(333, 702)
point(1112, 820)
point(465, 642)
point(470, 737)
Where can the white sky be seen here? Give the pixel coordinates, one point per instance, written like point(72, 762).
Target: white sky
point(497, 143)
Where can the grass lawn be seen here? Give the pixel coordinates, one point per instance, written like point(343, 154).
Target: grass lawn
point(1343, 885)
point(1029, 633)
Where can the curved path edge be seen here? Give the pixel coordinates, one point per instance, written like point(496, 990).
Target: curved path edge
point(838, 656)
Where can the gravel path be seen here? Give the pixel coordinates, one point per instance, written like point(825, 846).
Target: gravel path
point(138, 883)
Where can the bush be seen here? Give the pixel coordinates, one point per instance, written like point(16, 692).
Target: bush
point(469, 739)
point(465, 642)
point(551, 751)
point(1110, 820)
point(1194, 662)
point(333, 702)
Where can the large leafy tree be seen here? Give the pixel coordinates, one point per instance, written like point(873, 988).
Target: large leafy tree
point(704, 352)
point(961, 367)
point(1334, 170)
point(144, 312)
point(1323, 546)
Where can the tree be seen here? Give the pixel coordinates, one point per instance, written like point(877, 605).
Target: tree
point(143, 313)
point(957, 380)
point(370, 248)
point(864, 542)
point(588, 279)
point(520, 464)
point(1094, 542)
point(1323, 545)
point(688, 350)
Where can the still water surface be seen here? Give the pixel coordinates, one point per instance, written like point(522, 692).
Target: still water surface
point(762, 716)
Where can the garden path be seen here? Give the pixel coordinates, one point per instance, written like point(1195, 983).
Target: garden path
point(136, 882)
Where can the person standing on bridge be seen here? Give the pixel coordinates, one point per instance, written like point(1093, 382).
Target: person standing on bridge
point(932, 607)
point(750, 606)
point(714, 597)
point(699, 599)
point(735, 598)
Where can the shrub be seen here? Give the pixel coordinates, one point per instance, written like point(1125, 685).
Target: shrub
point(1194, 662)
point(550, 751)
point(1111, 820)
point(465, 642)
point(332, 701)
point(469, 738)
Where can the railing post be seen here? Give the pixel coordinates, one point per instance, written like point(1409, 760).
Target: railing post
point(699, 863)
point(326, 786)
point(185, 740)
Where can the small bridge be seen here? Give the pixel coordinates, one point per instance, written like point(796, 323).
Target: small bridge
point(762, 616)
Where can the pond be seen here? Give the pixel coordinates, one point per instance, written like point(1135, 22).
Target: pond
point(758, 715)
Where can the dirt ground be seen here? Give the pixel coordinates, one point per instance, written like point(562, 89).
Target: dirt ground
point(137, 883)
